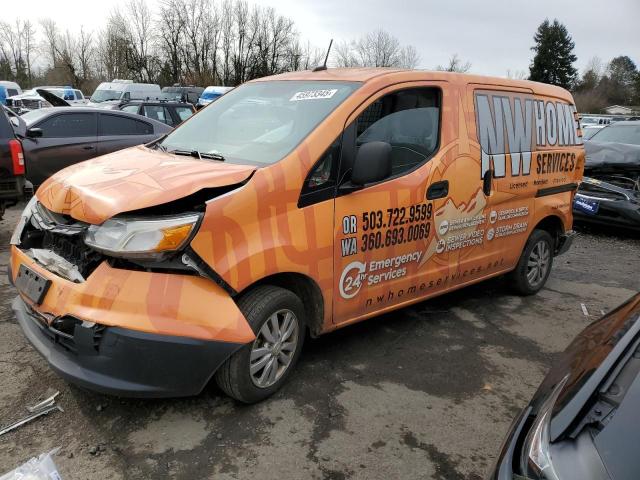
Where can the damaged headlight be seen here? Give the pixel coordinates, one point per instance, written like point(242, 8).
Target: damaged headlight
point(24, 218)
point(536, 461)
point(142, 238)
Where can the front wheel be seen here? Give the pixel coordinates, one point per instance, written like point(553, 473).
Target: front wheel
point(260, 368)
point(534, 265)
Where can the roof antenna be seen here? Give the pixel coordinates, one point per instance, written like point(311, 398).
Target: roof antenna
point(319, 68)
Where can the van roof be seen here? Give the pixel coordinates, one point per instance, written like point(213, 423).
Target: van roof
point(392, 75)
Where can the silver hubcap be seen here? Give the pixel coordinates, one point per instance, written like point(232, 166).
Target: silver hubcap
point(538, 263)
point(273, 348)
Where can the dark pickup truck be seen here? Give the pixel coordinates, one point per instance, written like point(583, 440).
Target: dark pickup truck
point(12, 170)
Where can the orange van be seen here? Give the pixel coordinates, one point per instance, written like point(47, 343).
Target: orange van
point(298, 203)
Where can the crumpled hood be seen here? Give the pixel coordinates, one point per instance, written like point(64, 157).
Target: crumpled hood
point(131, 179)
point(612, 155)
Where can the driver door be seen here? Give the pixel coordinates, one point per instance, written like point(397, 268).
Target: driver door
point(382, 230)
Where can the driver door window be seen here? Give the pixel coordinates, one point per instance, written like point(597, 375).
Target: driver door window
point(408, 120)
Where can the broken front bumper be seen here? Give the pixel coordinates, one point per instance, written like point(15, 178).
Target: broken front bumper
point(131, 333)
point(123, 362)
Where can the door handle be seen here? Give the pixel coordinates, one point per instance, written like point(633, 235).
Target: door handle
point(486, 182)
point(88, 147)
point(438, 190)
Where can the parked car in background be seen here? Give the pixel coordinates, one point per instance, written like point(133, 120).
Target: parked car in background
point(72, 96)
point(211, 94)
point(35, 98)
point(610, 192)
point(118, 92)
point(593, 121)
point(8, 89)
point(180, 93)
point(583, 422)
point(171, 113)
point(11, 165)
point(26, 101)
point(55, 138)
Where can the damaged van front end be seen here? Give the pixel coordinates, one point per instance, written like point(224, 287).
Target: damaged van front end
point(110, 292)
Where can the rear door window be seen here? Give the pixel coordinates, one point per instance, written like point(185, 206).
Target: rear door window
point(130, 108)
point(156, 112)
point(184, 113)
point(69, 125)
point(121, 125)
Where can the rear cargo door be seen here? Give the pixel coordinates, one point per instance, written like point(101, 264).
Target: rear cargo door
point(505, 126)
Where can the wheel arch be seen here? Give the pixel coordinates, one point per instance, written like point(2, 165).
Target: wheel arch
point(304, 287)
point(554, 226)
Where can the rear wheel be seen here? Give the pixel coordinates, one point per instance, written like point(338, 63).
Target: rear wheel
point(534, 265)
point(260, 368)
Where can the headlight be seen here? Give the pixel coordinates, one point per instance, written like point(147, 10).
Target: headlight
point(139, 238)
point(24, 218)
point(536, 457)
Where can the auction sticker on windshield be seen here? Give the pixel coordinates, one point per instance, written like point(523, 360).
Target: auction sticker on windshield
point(313, 95)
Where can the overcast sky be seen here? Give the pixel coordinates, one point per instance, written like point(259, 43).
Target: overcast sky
point(494, 35)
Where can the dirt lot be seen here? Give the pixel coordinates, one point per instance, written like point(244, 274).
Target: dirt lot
point(426, 392)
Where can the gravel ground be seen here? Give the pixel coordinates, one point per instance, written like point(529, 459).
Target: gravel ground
point(426, 392)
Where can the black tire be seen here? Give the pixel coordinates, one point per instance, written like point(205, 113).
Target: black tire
point(258, 305)
point(520, 281)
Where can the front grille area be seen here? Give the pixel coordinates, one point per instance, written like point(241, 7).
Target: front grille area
point(62, 235)
point(73, 249)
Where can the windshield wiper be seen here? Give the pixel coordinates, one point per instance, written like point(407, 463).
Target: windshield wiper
point(199, 155)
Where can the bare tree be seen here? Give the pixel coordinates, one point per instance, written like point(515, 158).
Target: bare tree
point(196, 41)
point(18, 46)
point(376, 49)
point(171, 29)
point(50, 41)
point(455, 65)
point(517, 74)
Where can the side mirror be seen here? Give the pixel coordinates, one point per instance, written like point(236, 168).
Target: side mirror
point(372, 164)
point(34, 132)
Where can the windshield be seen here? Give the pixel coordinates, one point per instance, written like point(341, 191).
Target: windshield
point(620, 133)
point(260, 123)
point(172, 90)
point(587, 133)
point(589, 120)
point(105, 95)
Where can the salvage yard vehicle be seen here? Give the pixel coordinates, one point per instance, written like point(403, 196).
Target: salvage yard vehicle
point(11, 165)
point(8, 89)
point(55, 138)
point(171, 113)
point(303, 202)
point(111, 95)
point(610, 192)
point(582, 423)
point(182, 93)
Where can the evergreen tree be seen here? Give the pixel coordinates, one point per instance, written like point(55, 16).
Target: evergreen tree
point(554, 57)
point(622, 75)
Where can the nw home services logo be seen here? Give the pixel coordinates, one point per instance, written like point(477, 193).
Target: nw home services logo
point(519, 125)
